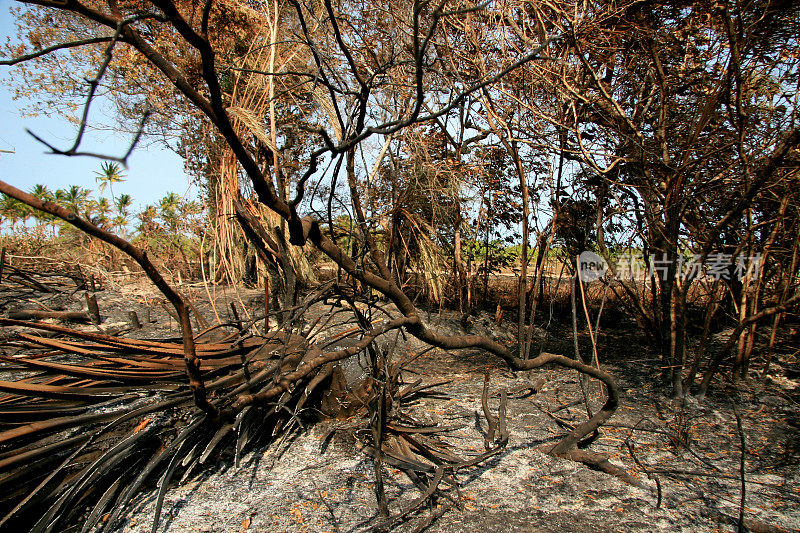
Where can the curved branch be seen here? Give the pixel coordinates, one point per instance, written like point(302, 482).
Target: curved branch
point(55, 47)
point(418, 329)
point(93, 85)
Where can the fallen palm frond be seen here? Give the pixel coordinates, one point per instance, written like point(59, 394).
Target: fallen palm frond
point(95, 415)
point(87, 419)
point(428, 461)
point(53, 279)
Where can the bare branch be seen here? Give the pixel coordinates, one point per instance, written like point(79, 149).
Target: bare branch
point(55, 47)
point(93, 85)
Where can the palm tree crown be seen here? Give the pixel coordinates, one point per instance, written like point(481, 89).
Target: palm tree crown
point(110, 173)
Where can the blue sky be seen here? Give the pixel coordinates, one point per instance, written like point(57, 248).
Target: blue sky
point(152, 171)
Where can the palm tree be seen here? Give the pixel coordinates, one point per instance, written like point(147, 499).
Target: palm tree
point(189, 211)
point(103, 208)
point(73, 198)
point(11, 209)
point(122, 207)
point(110, 173)
point(42, 192)
point(123, 204)
point(168, 208)
point(147, 221)
point(24, 212)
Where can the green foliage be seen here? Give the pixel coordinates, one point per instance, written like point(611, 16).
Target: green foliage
point(495, 256)
point(110, 173)
point(172, 227)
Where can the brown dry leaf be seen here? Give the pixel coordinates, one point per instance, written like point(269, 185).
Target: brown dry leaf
point(142, 425)
point(298, 516)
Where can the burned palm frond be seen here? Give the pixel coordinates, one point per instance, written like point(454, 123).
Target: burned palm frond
point(89, 419)
point(96, 417)
point(45, 275)
point(31, 279)
point(391, 437)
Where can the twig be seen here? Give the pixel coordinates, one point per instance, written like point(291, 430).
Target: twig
point(93, 85)
point(595, 358)
point(649, 474)
point(581, 377)
point(55, 47)
point(490, 420)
